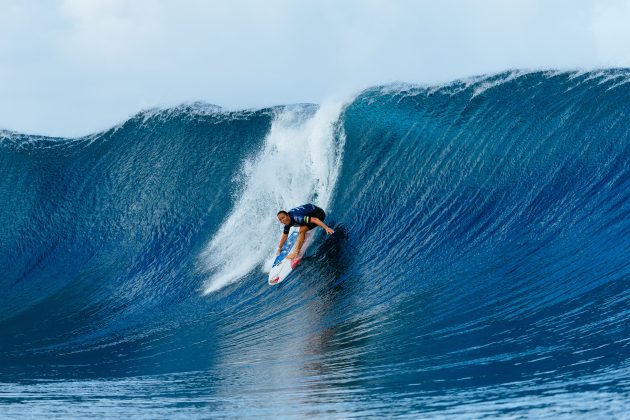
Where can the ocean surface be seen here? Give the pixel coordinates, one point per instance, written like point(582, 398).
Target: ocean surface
point(480, 265)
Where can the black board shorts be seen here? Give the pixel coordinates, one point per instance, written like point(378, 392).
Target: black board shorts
point(320, 214)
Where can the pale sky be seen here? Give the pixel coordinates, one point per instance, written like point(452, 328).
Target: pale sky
point(73, 67)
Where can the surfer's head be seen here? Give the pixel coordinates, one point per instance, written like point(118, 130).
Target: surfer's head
point(284, 218)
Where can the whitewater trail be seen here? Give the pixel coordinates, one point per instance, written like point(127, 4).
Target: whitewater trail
point(298, 163)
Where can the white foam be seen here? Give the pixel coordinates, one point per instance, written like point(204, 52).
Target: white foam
point(490, 84)
point(299, 163)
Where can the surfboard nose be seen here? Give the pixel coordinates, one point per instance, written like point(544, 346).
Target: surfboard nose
point(274, 280)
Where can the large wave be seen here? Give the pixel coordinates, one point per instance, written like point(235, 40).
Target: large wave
point(482, 244)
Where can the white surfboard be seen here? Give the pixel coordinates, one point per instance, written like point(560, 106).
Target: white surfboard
point(282, 267)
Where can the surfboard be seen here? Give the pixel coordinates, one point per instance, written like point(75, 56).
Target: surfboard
point(282, 267)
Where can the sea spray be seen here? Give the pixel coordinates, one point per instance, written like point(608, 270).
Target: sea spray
point(297, 164)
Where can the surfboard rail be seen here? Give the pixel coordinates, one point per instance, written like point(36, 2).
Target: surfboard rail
point(282, 267)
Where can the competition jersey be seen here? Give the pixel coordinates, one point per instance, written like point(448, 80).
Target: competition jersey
point(301, 216)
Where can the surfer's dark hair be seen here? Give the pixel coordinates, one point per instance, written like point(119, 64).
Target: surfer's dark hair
point(282, 212)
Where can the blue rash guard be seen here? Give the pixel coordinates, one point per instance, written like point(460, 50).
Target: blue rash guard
point(301, 216)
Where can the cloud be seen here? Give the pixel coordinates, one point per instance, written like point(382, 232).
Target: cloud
point(109, 31)
point(69, 67)
point(611, 28)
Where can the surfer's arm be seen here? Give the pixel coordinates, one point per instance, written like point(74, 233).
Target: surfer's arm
point(283, 239)
point(298, 245)
point(321, 224)
point(300, 241)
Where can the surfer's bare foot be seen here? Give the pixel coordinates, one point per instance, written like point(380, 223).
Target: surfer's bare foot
point(291, 255)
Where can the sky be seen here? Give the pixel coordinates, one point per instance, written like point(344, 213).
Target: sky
point(74, 67)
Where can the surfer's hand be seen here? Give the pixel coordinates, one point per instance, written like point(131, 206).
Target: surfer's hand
point(329, 231)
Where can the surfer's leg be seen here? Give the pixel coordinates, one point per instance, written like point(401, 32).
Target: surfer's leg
point(320, 214)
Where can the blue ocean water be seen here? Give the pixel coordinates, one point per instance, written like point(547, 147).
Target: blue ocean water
point(480, 265)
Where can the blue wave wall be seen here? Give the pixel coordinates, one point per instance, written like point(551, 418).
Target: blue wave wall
point(482, 241)
point(100, 232)
point(496, 211)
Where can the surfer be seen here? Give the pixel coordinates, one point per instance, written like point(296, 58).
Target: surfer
point(306, 217)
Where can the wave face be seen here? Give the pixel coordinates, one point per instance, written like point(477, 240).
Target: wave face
point(481, 264)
